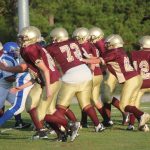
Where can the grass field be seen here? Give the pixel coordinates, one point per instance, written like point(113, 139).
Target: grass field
point(115, 138)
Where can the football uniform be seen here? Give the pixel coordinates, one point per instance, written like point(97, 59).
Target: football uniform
point(5, 85)
point(119, 65)
point(37, 98)
point(110, 80)
point(1, 52)
point(77, 78)
point(141, 62)
point(89, 50)
point(19, 99)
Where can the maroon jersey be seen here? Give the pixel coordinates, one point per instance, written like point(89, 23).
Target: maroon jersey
point(119, 65)
point(88, 50)
point(141, 62)
point(66, 53)
point(1, 52)
point(100, 45)
point(32, 54)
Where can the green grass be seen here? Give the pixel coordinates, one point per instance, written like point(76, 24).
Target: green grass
point(115, 138)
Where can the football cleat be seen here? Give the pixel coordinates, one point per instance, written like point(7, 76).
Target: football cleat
point(144, 119)
point(99, 128)
point(62, 137)
point(125, 120)
point(84, 125)
point(130, 128)
point(52, 132)
point(74, 127)
point(108, 123)
point(145, 128)
point(22, 125)
point(42, 134)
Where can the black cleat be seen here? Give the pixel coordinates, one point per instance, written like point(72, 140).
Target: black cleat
point(22, 125)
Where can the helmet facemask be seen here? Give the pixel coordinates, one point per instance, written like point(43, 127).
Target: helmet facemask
point(29, 35)
point(59, 35)
point(81, 34)
point(113, 41)
point(145, 42)
point(95, 34)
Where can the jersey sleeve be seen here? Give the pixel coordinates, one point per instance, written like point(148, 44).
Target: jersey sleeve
point(8, 62)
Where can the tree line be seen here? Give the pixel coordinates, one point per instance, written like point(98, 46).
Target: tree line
point(129, 18)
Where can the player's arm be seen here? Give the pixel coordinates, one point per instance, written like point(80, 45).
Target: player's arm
point(16, 69)
point(10, 78)
point(45, 73)
point(92, 60)
point(19, 88)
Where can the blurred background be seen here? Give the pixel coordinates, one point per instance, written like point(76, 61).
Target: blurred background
point(129, 18)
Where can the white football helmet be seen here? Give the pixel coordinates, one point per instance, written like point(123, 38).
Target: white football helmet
point(81, 34)
point(114, 41)
point(95, 34)
point(145, 42)
point(59, 35)
point(29, 35)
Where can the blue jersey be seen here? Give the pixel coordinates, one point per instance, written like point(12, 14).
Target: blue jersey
point(11, 62)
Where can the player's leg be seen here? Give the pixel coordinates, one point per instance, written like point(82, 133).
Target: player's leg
point(96, 99)
point(83, 96)
point(130, 90)
point(66, 93)
point(3, 96)
point(32, 102)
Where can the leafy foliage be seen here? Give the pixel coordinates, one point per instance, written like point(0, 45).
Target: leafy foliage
point(129, 18)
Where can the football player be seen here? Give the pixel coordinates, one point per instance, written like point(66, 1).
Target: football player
point(141, 62)
point(96, 36)
point(1, 49)
point(42, 97)
point(76, 78)
point(9, 57)
point(44, 72)
point(89, 51)
point(119, 65)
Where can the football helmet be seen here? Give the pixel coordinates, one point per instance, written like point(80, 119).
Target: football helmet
point(29, 35)
point(1, 46)
point(145, 42)
point(59, 35)
point(114, 41)
point(11, 48)
point(42, 41)
point(81, 34)
point(95, 34)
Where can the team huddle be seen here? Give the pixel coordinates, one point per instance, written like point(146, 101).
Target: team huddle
point(86, 66)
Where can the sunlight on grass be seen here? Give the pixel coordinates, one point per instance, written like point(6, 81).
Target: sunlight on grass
point(111, 139)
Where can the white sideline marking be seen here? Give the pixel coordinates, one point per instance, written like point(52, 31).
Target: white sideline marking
point(5, 130)
point(140, 107)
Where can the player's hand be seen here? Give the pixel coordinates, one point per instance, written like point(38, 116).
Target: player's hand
point(2, 65)
point(48, 94)
point(92, 67)
point(14, 90)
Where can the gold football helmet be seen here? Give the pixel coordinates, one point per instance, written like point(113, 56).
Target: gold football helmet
point(29, 35)
point(114, 41)
point(145, 42)
point(59, 35)
point(1, 46)
point(81, 34)
point(95, 34)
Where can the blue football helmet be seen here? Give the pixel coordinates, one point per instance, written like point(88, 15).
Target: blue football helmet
point(11, 48)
